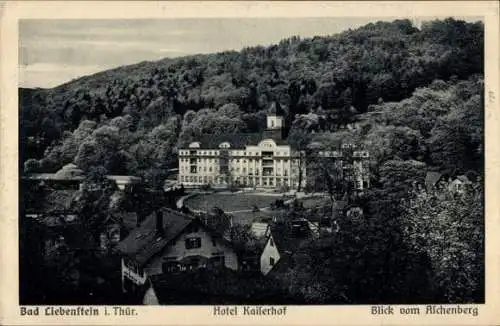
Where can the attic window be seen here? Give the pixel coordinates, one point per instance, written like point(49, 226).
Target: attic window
point(193, 243)
point(224, 145)
point(271, 261)
point(271, 242)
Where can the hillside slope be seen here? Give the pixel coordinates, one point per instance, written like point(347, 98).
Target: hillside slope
point(131, 118)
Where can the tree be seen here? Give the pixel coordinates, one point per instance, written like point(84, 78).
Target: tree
point(298, 140)
point(449, 229)
point(31, 166)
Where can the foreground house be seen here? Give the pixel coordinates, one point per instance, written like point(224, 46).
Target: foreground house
point(168, 241)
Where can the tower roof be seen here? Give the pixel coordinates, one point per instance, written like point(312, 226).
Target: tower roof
point(275, 109)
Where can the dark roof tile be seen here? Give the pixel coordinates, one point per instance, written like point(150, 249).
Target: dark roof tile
point(143, 242)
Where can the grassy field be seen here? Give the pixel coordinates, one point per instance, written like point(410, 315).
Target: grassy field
point(229, 202)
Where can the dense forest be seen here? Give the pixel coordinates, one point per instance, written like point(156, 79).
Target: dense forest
point(426, 83)
point(413, 97)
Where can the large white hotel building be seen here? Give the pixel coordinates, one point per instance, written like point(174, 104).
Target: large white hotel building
point(262, 160)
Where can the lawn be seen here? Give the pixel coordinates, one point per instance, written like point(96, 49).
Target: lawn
point(230, 202)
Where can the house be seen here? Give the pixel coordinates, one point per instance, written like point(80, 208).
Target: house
point(168, 241)
point(284, 238)
point(459, 185)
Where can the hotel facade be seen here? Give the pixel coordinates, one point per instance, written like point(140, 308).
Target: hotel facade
point(260, 160)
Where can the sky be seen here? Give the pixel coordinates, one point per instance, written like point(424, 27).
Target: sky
point(52, 52)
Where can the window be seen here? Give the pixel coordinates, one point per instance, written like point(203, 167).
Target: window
point(193, 243)
point(271, 261)
point(210, 169)
point(169, 265)
point(214, 241)
point(271, 242)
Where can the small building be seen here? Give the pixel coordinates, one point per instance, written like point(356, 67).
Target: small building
point(71, 177)
point(168, 241)
point(459, 185)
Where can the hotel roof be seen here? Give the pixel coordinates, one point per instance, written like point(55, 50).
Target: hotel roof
point(236, 141)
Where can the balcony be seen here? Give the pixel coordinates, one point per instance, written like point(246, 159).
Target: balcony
point(267, 163)
point(267, 155)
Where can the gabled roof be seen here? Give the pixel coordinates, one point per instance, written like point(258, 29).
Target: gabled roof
point(129, 219)
point(143, 242)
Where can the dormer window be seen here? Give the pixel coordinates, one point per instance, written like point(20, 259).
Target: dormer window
point(224, 145)
point(194, 145)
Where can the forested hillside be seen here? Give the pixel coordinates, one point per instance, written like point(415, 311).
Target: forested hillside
point(414, 95)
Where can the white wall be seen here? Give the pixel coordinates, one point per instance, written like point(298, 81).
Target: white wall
point(178, 249)
point(278, 122)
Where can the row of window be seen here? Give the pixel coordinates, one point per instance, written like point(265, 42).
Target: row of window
point(216, 161)
point(266, 171)
point(250, 181)
point(170, 264)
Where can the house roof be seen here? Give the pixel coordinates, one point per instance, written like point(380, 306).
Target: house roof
point(143, 242)
point(69, 171)
point(213, 286)
point(431, 178)
point(275, 109)
point(236, 140)
point(463, 178)
point(129, 219)
point(52, 176)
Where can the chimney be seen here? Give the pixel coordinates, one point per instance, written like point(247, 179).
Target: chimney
point(159, 222)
